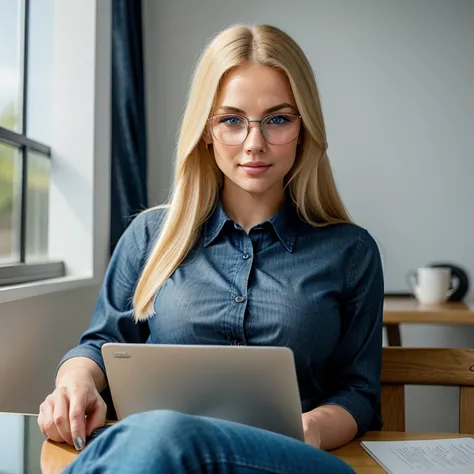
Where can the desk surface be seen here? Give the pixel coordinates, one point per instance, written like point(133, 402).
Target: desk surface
point(354, 455)
point(398, 310)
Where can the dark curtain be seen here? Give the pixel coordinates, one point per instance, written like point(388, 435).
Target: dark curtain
point(129, 160)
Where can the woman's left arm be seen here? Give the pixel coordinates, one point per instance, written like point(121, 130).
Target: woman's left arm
point(353, 372)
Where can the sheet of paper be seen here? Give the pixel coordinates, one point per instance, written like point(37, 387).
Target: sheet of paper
point(453, 456)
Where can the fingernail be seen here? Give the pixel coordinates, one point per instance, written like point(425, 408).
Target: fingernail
point(78, 443)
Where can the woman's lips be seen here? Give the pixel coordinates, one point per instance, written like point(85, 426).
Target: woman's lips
point(255, 170)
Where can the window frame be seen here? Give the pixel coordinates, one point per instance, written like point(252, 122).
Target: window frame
point(22, 272)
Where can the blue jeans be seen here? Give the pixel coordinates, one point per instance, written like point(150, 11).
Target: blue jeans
point(169, 442)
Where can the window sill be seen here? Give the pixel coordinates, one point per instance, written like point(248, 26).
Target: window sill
point(44, 287)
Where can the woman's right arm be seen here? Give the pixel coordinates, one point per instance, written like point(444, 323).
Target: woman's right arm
point(75, 407)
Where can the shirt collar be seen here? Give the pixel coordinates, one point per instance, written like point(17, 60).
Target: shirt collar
point(214, 224)
point(284, 222)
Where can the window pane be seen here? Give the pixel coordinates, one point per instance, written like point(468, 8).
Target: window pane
point(37, 206)
point(40, 57)
point(10, 204)
point(10, 64)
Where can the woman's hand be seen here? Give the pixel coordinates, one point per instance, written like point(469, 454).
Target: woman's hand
point(73, 410)
point(312, 430)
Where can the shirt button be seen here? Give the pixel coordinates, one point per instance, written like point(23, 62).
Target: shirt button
point(245, 256)
point(239, 299)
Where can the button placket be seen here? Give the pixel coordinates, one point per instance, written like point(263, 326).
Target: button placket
point(236, 333)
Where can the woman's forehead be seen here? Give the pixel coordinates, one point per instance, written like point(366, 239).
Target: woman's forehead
point(255, 86)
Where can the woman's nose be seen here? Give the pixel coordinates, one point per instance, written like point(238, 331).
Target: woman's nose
point(255, 142)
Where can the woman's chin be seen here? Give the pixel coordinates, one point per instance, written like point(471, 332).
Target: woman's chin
point(255, 186)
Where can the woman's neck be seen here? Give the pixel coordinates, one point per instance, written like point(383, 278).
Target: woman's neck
point(249, 209)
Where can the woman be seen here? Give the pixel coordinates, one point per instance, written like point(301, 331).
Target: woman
point(255, 248)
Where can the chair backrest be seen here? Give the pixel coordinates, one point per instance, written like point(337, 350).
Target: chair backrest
point(419, 366)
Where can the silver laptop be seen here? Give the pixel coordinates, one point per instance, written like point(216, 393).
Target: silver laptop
point(256, 386)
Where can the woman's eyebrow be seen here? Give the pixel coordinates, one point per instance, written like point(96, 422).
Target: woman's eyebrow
point(228, 108)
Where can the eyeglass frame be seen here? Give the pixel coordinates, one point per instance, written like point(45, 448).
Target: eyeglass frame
point(260, 127)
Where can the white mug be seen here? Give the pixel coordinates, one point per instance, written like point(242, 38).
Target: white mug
point(431, 285)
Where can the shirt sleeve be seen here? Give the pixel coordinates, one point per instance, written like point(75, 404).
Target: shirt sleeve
point(112, 319)
point(354, 369)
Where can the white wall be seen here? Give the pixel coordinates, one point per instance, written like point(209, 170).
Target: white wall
point(396, 86)
point(34, 335)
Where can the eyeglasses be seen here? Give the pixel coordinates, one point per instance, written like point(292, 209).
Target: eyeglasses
point(277, 129)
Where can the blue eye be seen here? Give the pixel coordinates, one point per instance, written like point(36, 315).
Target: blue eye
point(231, 120)
point(278, 120)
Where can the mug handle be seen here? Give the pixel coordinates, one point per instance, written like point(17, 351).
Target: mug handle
point(454, 286)
point(411, 280)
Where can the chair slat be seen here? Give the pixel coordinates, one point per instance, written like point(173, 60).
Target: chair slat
point(421, 366)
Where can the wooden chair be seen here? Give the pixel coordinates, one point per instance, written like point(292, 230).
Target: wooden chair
point(418, 366)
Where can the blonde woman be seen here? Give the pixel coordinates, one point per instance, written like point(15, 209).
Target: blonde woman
point(254, 248)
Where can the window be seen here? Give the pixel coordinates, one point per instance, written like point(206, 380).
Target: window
point(25, 127)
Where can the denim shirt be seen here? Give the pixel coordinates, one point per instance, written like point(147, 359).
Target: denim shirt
point(316, 290)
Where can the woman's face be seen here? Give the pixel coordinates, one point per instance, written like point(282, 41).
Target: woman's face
point(255, 165)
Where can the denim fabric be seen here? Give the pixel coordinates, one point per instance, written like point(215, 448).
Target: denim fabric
point(316, 290)
point(167, 442)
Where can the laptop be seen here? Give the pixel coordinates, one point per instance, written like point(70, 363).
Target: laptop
point(253, 385)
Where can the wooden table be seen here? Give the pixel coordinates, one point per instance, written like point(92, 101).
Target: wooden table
point(407, 310)
point(55, 457)
point(355, 455)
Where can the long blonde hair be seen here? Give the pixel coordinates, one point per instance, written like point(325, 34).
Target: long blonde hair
point(197, 179)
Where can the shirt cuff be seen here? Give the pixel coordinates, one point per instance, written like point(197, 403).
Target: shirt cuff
point(357, 406)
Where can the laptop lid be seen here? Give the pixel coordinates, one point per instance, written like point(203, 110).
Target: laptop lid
point(253, 385)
